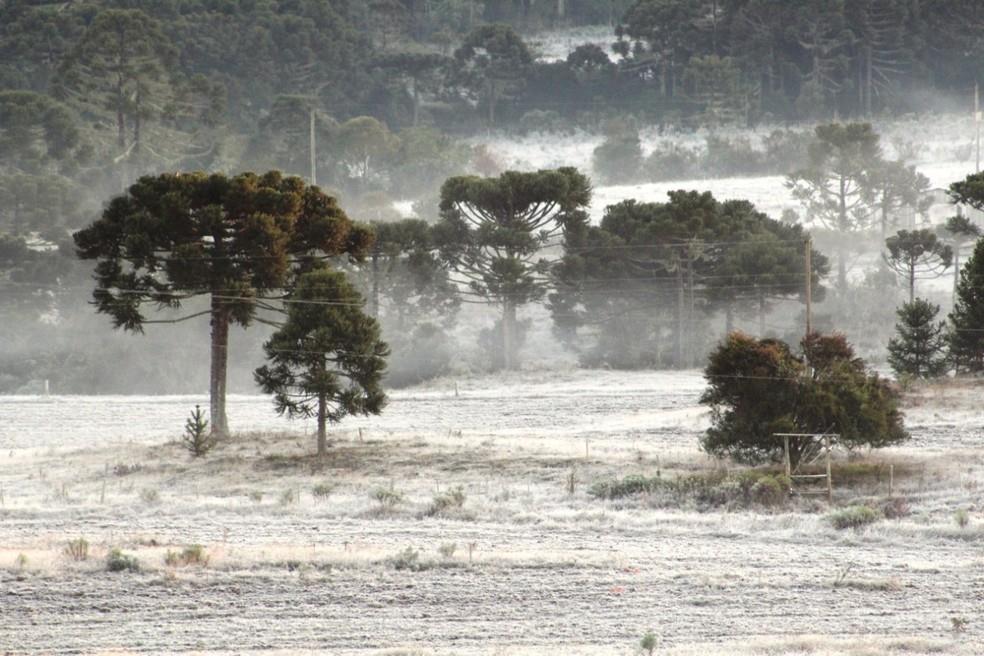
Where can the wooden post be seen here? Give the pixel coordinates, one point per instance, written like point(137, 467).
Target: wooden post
point(891, 479)
point(830, 485)
point(789, 467)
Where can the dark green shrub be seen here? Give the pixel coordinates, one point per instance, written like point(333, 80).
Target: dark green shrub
point(117, 561)
point(853, 517)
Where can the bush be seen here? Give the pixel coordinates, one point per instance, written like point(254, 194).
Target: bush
point(449, 501)
point(853, 517)
point(322, 491)
point(150, 495)
point(408, 559)
point(117, 561)
point(771, 490)
point(758, 387)
point(962, 518)
point(896, 508)
point(193, 554)
point(628, 486)
point(77, 549)
point(388, 499)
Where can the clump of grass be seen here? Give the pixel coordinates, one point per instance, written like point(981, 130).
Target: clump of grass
point(570, 481)
point(408, 559)
point(124, 469)
point(21, 561)
point(322, 491)
point(447, 549)
point(447, 502)
point(962, 518)
point(193, 554)
point(256, 496)
point(288, 497)
point(150, 496)
point(77, 549)
point(386, 498)
point(958, 624)
point(708, 490)
point(648, 643)
point(855, 517)
point(628, 486)
point(117, 561)
point(896, 508)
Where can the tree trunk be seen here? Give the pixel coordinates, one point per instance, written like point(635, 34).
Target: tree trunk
point(842, 270)
point(492, 98)
point(508, 334)
point(136, 167)
point(729, 319)
point(217, 377)
point(322, 421)
point(956, 271)
point(912, 282)
point(678, 339)
point(691, 312)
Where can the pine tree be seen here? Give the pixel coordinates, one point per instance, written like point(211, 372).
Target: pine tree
point(327, 361)
point(919, 348)
point(197, 440)
point(966, 338)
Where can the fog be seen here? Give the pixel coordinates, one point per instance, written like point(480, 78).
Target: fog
point(52, 333)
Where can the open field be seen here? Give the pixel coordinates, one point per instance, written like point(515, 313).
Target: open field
point(304, 555)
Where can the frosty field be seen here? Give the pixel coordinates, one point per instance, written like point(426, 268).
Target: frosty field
point(533, 569)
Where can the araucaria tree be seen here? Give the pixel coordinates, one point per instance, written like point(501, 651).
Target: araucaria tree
point(235, 240)
point(919, 349)
point(493, 229)
point(327, 360)
point(917, 254)
point(760, 387)
point(966, 338)
point(834, 186)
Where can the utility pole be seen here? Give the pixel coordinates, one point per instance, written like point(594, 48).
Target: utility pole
point(977, 123)
point(314, 150)
point(808, 262)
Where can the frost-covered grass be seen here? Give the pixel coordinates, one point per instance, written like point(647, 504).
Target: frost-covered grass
point(535, 567)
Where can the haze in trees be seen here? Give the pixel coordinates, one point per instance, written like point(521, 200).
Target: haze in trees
point(327, 360)
point(235, 240)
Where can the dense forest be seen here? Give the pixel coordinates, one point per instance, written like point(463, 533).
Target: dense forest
point(378, 101)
